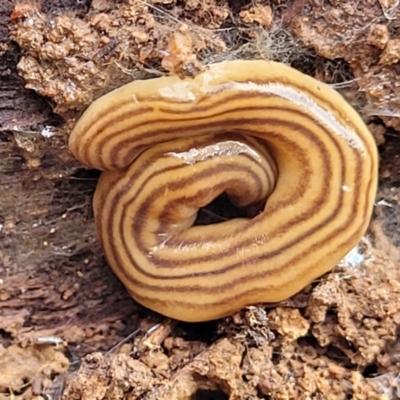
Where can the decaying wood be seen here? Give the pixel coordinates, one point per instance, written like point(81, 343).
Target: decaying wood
point(60, 305)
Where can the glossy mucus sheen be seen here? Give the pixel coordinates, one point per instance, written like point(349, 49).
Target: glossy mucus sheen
point(255, 130)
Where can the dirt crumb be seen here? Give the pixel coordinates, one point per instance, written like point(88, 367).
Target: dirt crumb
point(110, 378)
point(378, 36)
point(180, 58)
point(259, 14)
point(20, 366)
point(288, 322)
point(391, 52)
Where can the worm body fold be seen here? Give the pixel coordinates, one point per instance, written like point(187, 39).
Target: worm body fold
point(258, 131)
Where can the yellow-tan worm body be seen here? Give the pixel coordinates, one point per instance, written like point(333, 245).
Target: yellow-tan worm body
point(251, 129)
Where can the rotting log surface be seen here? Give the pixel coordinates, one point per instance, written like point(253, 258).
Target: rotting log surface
point(55, 279)
point(56, 282)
